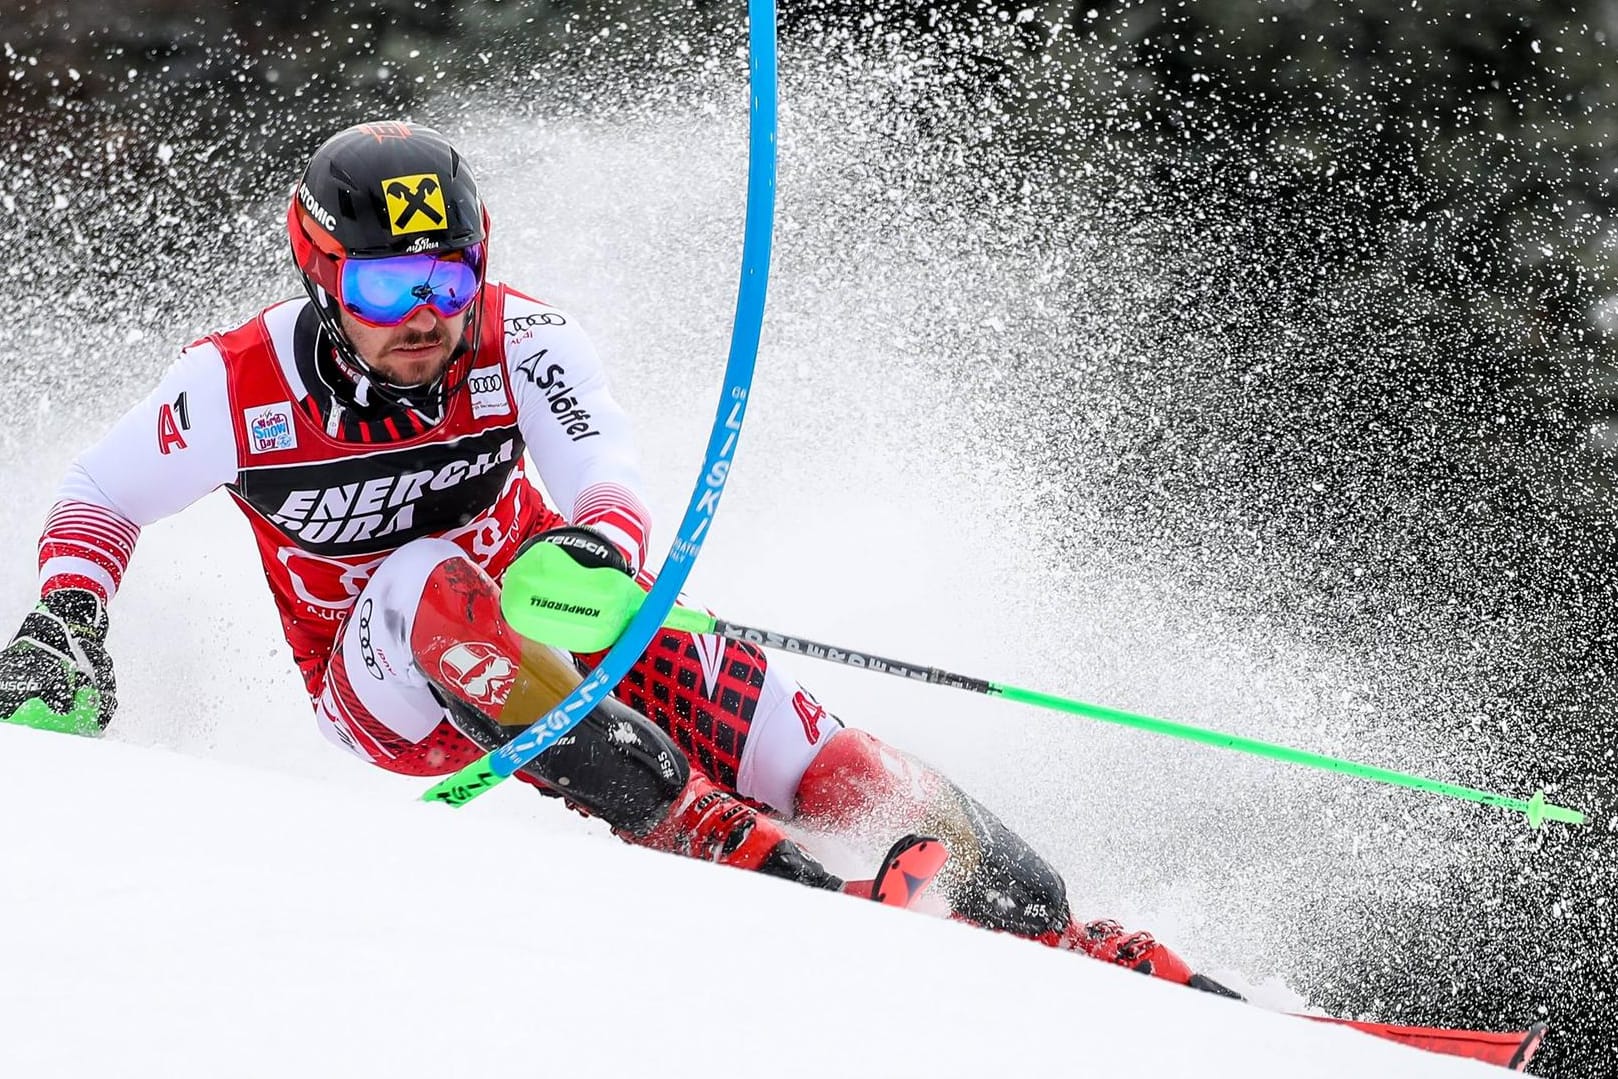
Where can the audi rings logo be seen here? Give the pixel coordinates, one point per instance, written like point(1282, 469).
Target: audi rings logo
point(488, 386)
point(366, 652)
point(520, 323)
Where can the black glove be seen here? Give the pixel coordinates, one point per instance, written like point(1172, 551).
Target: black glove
point(56, 674)
point(588, 547)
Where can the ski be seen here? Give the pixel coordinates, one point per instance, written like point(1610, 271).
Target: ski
point(911, 866)
point(1509, 1049)
point(914, 862)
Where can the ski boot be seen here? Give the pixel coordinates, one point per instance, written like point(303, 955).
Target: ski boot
point(994, 879)
point(711, 824)
point(1106, 940)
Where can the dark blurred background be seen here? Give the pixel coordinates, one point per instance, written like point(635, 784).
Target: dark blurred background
point(1392, 281)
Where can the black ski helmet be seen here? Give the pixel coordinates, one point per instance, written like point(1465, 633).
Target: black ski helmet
point(371, 191)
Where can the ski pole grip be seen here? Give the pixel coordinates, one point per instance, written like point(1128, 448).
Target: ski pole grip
point(689, 621)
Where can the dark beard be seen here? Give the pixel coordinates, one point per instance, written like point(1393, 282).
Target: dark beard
point(415, 340)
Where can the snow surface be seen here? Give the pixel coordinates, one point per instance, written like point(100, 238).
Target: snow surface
point(170, 916)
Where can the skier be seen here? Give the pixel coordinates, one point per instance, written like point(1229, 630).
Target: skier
point(374, 435)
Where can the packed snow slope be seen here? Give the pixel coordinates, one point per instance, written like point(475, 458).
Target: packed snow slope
point(162, 915)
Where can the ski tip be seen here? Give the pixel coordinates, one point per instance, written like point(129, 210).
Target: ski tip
point(908, 870)
point(1532, 1037)
point(1503, 1048)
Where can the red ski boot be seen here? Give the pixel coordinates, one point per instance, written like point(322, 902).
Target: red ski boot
point(709, 823)
point(1106, 940)
point(714, 825)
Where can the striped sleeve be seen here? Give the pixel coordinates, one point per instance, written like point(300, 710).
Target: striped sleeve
point(159, 457)
point(85, 545)
point(618, 514)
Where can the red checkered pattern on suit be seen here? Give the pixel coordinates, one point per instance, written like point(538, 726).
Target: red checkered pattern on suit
point(668, 685)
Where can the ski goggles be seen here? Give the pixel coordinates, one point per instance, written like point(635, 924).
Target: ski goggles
point(387, 291)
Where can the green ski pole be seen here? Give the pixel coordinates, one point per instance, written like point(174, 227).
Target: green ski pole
point(548, 597)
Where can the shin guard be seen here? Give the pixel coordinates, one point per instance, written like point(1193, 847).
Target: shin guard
point(615, 765)
point(994, 879)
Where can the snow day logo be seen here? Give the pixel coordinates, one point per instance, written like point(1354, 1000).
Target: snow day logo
point(269, 428)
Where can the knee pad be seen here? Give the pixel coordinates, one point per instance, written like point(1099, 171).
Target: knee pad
point(856, 775)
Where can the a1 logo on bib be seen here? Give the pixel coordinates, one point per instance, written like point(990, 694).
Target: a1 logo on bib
point(415, 203)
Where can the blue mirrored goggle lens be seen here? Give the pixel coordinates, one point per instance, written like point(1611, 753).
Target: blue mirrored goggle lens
point(387, 291)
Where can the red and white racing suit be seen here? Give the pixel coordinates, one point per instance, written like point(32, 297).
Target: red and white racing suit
point(332, 492)
point(361, 513)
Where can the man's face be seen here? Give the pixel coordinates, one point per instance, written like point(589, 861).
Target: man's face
point(412, 353)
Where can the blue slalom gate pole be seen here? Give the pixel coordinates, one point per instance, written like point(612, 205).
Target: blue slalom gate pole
point(493, 768)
